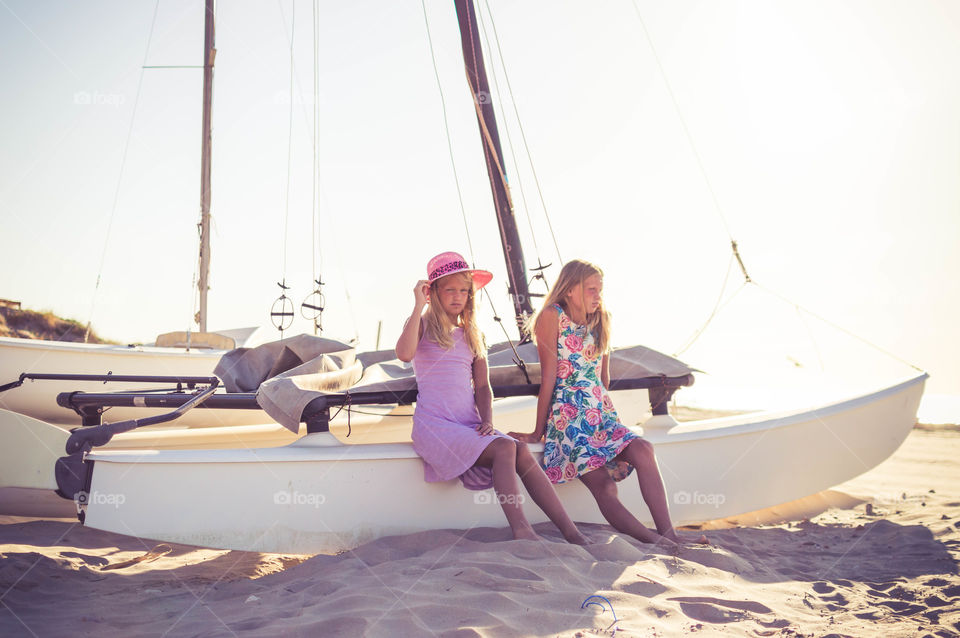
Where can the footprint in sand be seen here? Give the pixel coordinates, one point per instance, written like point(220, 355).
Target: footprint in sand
point(880, 589)
point(708, 609)
point(935, 601)
point(647, 589)
point(507, 571)
point(90, 561)
point(160, 550)
point(252, 624)
point(902, 607)
point(835, 602)
point(952, 592)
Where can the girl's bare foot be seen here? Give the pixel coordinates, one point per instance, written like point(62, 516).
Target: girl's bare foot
point(665, 542)
point(576, 538)
point(685, 540)
point(525, 534)
point(645, 535)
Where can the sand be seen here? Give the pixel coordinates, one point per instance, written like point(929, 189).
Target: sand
point(874, 556)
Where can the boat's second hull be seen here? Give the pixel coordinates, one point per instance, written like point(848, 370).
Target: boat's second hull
point(38, 399)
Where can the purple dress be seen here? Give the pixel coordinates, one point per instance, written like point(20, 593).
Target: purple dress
point(446, 416)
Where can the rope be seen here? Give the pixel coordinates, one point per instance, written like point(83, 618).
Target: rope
point(446, 127)
point(123, 164)
point(346, 404)
point(523, 134)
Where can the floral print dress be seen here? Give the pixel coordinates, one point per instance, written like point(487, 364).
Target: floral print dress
point(583, 430)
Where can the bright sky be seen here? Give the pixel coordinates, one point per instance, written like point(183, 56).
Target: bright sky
point(828, 132)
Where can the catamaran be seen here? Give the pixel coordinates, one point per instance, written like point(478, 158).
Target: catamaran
point(326, 492)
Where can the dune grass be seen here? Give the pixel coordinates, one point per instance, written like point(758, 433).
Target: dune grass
point(31, 324)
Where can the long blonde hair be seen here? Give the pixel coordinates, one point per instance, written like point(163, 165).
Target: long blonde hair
point(574, 272)
point(438, 325)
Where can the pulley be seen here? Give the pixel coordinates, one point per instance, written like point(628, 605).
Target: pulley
point(312, 306)
point(538, 274)
point(281, 314)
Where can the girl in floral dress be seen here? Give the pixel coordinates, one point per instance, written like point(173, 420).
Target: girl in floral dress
point(584, 436)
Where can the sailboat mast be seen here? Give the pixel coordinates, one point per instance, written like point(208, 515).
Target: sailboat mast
point(490, 138)
point(209, 53)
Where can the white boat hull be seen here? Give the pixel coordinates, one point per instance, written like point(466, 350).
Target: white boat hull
point(32, 446)
point(39, 398)
point(319, 496)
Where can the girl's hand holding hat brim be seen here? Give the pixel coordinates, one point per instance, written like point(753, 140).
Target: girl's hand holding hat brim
point(421, 292)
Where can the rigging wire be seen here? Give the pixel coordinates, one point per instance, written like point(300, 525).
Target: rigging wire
point(446, 127)
point(314, 202)
point(523, 134)
point(303, 101)
point(816, 346)
point(733, 243)
point(286, 218)
point(315, 302)
point(716, 307)
point(456, 178)
point(683, 121)
point(490, 149)
point(838, 327)
point(517, 359)
point(506, 129)
point(491, 155)
point(123, 163)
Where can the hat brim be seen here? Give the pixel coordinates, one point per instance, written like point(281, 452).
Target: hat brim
point(480, 277)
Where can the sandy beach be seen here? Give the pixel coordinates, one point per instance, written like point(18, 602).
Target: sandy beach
point(877, 555)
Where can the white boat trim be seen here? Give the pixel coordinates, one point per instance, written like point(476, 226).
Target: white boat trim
point(733, 425)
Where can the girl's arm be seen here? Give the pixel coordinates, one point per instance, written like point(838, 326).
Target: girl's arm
point(547, 331)
point(483, 395)
point(410, 337)
point(605, 371)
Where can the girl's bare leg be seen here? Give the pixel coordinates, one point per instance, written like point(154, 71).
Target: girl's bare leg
point(501, 457)
point(639, 454)
point(544, 495)
point(604, 490)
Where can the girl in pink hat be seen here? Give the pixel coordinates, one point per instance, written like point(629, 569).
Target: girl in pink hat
point(453, 422)
point(584, 436)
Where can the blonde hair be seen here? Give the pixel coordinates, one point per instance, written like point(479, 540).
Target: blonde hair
point(438, 325)
point(575, 272)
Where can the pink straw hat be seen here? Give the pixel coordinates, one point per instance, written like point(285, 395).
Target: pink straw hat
point(449, 263)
